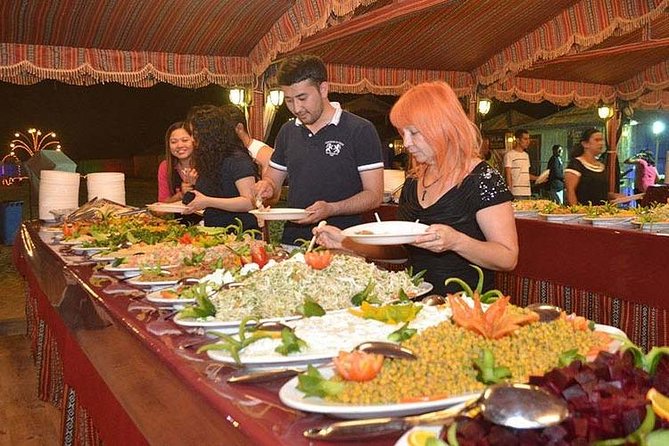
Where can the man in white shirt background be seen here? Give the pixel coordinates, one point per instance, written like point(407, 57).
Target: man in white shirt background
point(517, 166)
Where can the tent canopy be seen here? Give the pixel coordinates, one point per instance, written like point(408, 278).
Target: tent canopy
point(563, 51)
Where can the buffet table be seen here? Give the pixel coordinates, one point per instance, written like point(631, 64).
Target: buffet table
point(115, 368)
point(118, 370)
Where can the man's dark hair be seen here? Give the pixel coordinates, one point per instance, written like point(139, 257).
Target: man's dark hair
point(302, 67)
point(234, 114)
point(556, 149)
point(520, 132)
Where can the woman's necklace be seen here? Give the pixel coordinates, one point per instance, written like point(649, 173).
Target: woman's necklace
point(427, 186)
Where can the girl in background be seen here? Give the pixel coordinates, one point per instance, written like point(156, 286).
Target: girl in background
point(176, 174)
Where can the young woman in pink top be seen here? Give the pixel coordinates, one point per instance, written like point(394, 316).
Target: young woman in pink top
point(175, 174)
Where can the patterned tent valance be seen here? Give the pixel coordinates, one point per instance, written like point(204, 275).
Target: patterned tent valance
point(558, 92)
point(585, 24)
point(389, 81)
point(29, 64)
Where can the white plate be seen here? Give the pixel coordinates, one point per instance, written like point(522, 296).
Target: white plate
point(560, 218)
point(280, 214)
point(270, 361)
point(525, 214)
point(156, 298)
point(294, 398)
point(607, 221)
point(385, 232)
point(166, 207)
point(153, 284)
point(89, 251)
point(131, 269)
point(72, 242)
point(109, 257)
point(652, 227)
point(225, 326)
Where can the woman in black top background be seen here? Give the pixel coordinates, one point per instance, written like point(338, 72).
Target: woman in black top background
point(226, 172)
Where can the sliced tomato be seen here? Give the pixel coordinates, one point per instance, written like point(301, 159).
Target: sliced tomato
point(358, 366)
point(67, 230)
point(259, 255)
point(186, 239)
point(318, 259)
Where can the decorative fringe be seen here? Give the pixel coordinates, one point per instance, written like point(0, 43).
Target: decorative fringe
point(142, 71)
point(508, 62)
point(304, 19)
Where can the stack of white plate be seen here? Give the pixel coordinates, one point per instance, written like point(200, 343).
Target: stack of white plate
point(109, 185)
point(57, 190)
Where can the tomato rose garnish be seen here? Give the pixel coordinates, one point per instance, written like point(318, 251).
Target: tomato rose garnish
point(318, 259)
point(358, 366)
point(259, 255)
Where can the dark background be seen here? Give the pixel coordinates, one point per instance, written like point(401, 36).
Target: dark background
point(114, 121)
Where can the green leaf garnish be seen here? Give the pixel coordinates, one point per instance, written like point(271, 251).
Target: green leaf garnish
point(312, 383)
point(290, 343)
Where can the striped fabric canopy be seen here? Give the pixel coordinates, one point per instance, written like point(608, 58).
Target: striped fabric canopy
point(563, 51)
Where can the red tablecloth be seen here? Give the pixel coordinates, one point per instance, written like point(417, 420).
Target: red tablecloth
point(121, 384)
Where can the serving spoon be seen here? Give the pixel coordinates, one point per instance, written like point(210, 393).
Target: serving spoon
point(520, 406)
point(546, 312)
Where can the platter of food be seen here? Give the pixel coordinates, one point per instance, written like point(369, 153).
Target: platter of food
point(458, 351)
point(325, 336)
point(386, 232)
point(294, 398)
point(280, 213)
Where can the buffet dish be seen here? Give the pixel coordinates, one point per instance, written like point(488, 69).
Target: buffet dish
point(329, 307)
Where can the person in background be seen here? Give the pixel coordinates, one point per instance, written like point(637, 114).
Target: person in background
point(586, 177)
point(226, 172)
point(333, 157)
point(517, 166)
point(176, 174)
point(556, 175)
point(259, 151)
point(464, 201)
point(645, 173)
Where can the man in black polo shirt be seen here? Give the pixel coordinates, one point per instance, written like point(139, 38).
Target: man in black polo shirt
point(333, 157)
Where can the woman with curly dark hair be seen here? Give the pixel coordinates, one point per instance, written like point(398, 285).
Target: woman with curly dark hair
point(226, 172)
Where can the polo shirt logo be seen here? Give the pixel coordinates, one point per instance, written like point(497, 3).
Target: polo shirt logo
point(333, 148)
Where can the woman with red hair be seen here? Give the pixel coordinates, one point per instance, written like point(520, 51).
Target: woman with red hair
point(464, 201)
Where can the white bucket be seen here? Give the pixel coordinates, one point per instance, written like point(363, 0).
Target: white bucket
point(57, 190)
point(109, 185)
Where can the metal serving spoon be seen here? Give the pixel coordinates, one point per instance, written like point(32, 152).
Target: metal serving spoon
point(433, 300)
point(520, 406)
point(546, 312)
point(387, 349)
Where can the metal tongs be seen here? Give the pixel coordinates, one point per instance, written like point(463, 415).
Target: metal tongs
point(357, 430)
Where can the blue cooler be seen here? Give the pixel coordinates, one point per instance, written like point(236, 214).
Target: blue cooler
point(11, 214)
